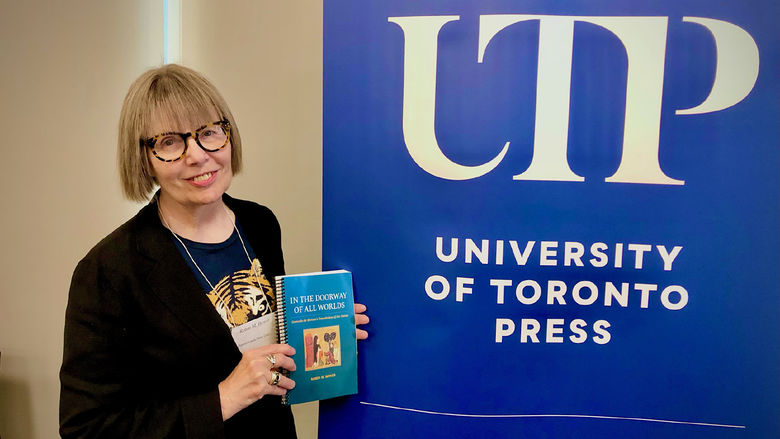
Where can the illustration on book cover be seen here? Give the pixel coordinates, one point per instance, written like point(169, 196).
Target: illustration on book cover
point(322, 347)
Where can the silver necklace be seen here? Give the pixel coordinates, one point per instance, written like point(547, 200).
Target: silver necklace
point(246, 252)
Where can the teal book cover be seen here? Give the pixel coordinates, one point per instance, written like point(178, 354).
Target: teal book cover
point(316, 316)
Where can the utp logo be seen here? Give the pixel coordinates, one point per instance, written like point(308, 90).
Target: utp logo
point(644, 39)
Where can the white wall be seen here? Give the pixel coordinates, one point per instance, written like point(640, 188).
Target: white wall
point(66, 67)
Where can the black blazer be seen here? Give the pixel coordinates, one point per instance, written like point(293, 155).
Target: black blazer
point(144, 347)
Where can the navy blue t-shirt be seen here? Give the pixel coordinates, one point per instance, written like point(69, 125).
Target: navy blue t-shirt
point(241, 291)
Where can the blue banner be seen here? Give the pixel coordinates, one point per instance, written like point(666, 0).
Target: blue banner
point(563, 216)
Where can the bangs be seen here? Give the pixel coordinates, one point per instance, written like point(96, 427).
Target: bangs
point(179, 107)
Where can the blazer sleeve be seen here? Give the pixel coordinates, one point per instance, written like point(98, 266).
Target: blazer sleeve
point(100, 396)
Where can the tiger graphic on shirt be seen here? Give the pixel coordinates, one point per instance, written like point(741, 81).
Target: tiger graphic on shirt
point(243, 296)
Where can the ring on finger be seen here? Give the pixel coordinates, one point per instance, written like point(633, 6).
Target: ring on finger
point(275, 378)
point(271, 359)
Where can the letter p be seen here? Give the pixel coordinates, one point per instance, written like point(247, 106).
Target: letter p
point(504, 327)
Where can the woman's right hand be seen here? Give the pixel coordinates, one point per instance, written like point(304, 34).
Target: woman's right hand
point(251, 378)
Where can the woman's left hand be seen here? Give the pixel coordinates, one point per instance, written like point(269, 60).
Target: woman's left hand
point(361, 319)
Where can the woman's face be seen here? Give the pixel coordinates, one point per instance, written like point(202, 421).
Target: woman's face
point(197, 179)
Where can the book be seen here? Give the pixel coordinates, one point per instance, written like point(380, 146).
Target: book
point(315, 315)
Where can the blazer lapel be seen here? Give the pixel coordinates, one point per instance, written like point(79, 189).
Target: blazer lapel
point(171, 279)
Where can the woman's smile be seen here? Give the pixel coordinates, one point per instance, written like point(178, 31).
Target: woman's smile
point(204, 179)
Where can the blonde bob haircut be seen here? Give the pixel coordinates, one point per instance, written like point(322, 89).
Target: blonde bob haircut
point(173, 96)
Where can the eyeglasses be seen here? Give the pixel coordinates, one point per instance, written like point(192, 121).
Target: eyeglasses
point(171, 146)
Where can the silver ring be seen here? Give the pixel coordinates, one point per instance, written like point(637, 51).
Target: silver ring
point(275, 378)
point(271, 359)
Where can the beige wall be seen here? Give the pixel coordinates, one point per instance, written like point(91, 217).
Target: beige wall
point(66, 67)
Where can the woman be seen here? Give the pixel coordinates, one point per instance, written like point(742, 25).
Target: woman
point(148, 350)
